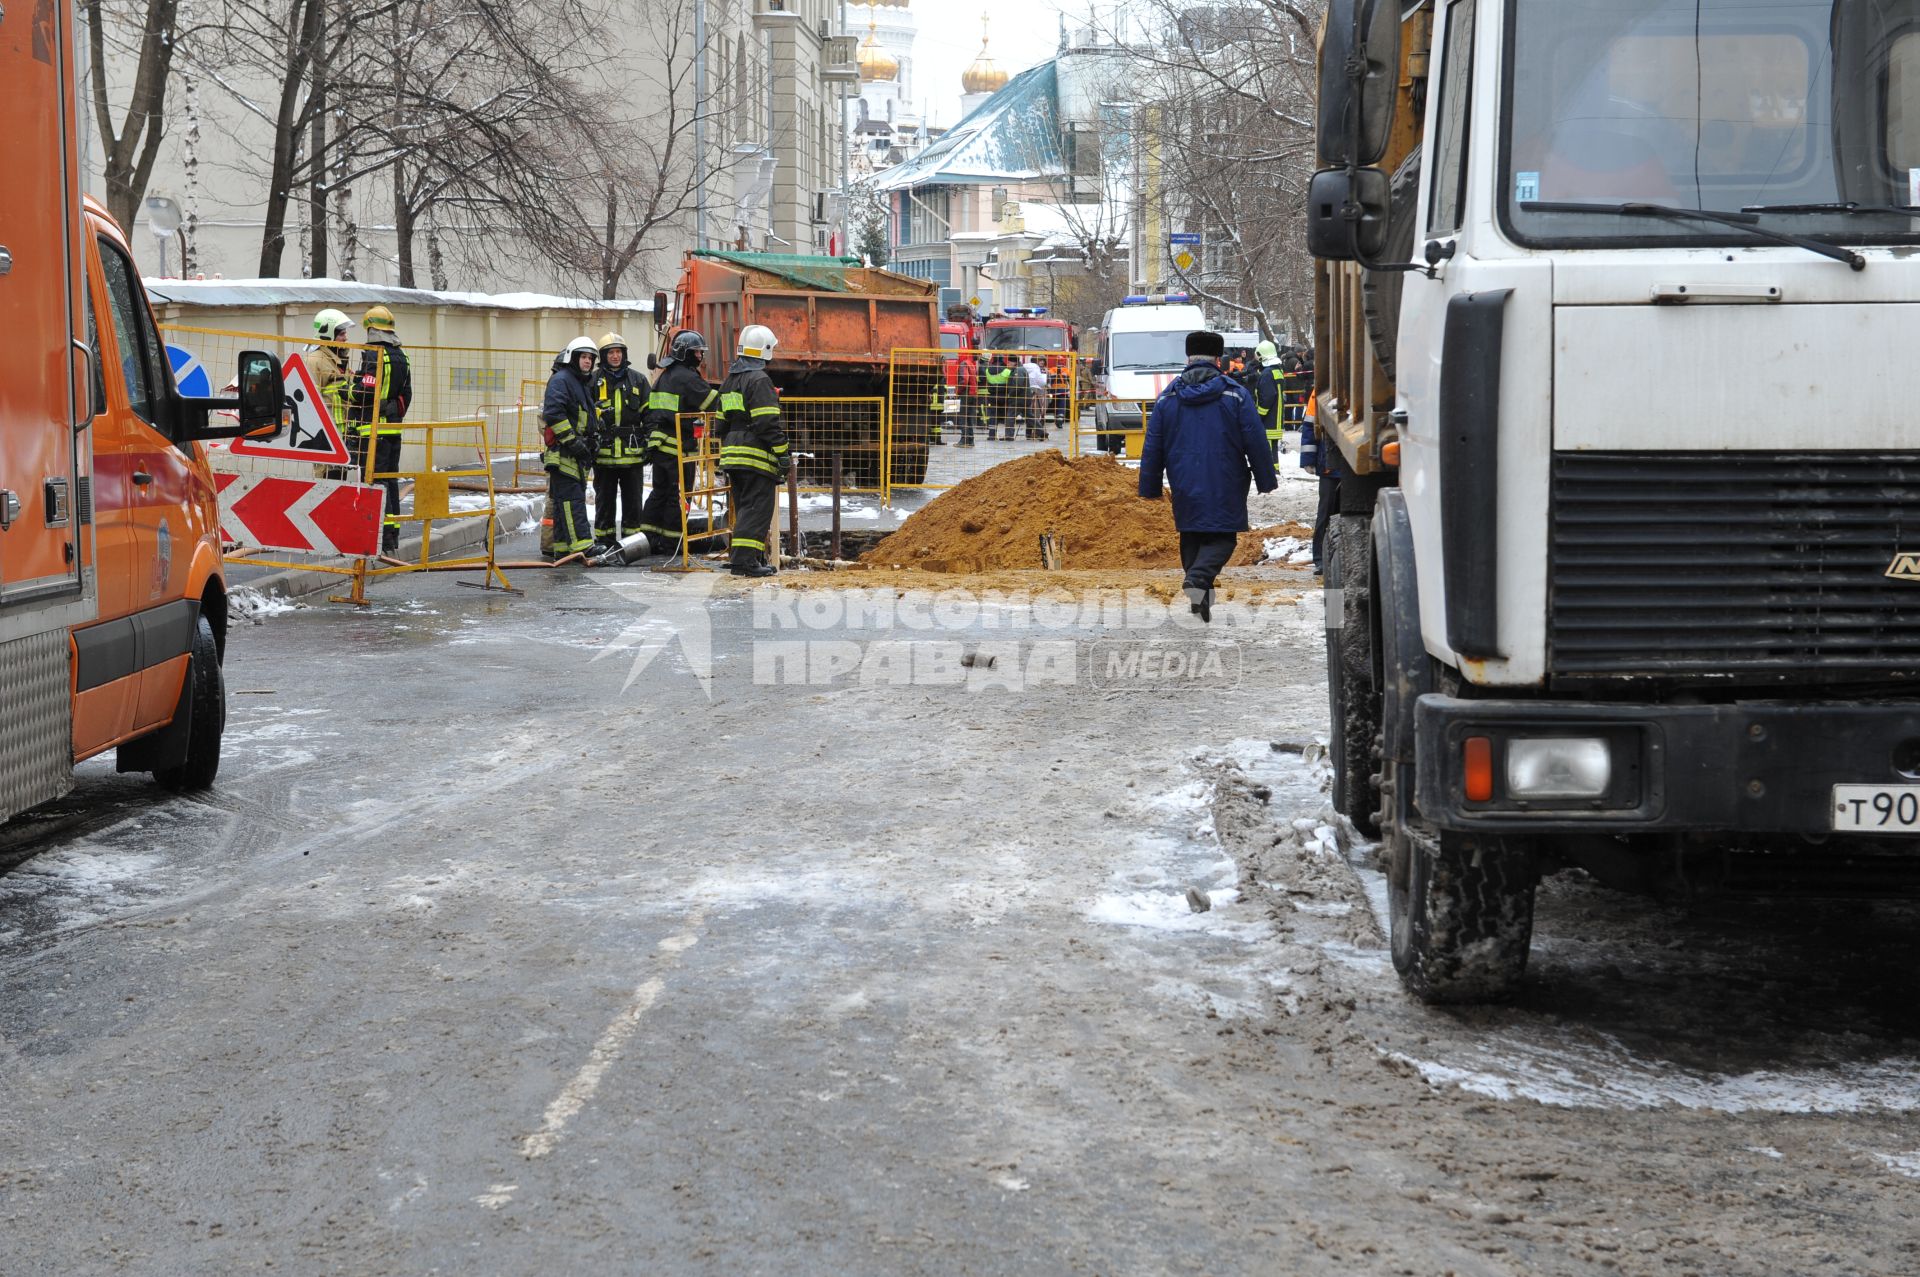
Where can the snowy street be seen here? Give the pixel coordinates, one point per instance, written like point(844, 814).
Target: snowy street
point(627, 927)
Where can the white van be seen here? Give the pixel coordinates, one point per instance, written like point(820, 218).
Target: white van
point(1143, 347)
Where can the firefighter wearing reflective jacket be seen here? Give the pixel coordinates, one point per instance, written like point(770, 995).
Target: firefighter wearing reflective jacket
point(620, 396)
point(378, 405)
point(567, 419)
point(678, 389)
point(753, 450)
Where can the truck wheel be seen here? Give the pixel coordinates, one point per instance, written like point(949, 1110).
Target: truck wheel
point(1353, 702)
point(1462, 914)
point(204, 697)
point(1460, 905)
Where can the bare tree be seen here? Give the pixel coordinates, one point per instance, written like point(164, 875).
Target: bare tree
point(1223, 145)
point(618, 188)
point(130, 149)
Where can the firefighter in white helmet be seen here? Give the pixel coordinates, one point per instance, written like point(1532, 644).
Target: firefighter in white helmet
point(568, 426)
point(753, 449)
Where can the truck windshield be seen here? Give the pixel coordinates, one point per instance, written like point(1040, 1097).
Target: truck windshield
point(1805, 111)
point(1156, 351)
point(1025, 338)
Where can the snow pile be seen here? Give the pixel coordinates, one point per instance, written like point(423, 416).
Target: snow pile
point(255, 607)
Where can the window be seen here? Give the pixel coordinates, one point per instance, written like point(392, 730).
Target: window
point(97, 378)
point(143, 361)
point(1788, 106)
point(1450, 135)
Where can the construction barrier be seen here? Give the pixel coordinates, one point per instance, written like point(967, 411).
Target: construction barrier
point(1116, 426)
point(858, 430)
point(942, 437)
point(438, 457)
point(706, 512)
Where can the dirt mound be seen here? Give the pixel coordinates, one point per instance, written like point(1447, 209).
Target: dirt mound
point(994, 521)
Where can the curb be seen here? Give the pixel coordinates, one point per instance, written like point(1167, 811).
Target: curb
point(296, 583)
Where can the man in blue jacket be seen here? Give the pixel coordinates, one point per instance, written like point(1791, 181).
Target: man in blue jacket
point(1205, 436)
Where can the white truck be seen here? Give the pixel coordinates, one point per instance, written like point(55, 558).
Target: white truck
point(1616, 339)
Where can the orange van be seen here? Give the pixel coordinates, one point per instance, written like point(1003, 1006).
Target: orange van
point(112, 593)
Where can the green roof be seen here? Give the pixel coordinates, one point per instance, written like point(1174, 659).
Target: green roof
point(824, 274)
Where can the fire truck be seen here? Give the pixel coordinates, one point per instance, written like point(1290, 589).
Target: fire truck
point(1031, 328)
point(112, 593)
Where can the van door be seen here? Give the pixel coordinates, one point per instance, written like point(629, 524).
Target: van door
point(157, 493)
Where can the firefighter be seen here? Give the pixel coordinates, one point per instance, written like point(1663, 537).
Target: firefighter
point(568, 416)
point(1269, 387)
point(753, 449)
point(329, 363)
point(678, 388)
point(377, 407)
point(620, 394)
point(999, 392)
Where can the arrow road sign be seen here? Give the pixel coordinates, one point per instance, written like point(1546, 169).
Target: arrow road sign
point(317, 516)
point(313, 436)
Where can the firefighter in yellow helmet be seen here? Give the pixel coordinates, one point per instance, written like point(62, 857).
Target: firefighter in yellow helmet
point(620, 393)
point(376, 407)
point(753, 450)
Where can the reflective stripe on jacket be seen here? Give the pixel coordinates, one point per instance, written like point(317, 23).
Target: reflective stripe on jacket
point(753, 437)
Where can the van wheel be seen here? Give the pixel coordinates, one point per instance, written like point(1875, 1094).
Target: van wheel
point(204, 699)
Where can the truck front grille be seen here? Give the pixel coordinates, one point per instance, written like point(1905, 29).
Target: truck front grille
point(1742, 563)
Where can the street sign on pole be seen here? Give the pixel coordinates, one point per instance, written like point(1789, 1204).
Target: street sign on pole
point(1183, 259)
point(1184, 237)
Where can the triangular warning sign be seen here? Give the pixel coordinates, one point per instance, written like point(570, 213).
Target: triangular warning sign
point(312, 436)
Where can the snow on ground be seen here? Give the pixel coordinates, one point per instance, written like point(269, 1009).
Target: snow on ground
point(255, 606)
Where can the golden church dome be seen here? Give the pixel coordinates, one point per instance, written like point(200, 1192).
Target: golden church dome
point(983, 76)
point(876, 64)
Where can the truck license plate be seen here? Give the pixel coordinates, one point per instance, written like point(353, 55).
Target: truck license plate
point(1877, 809)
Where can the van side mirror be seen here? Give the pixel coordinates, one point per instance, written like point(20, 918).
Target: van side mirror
point(1099, 367)
point(1347, 217)
point(263, 392)
point(1359, 75)
point(259, 406)
point(661, 314)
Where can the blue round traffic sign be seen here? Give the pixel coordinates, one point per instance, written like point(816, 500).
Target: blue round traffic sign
point(188, 374)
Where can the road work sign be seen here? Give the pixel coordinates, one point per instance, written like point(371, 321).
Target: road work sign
point(311, 435)
point(316, 516)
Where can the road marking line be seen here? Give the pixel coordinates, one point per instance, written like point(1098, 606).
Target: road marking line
point(576, 1094)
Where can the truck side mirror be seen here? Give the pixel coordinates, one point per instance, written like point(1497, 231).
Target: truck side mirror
point(661, 317)
point(263, 393)
point(653, 362)
point(1359, 75)
point(1347, 217)
point(1099, 368)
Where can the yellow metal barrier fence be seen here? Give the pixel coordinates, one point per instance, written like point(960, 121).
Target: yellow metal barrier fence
point(703, 489)
point(857, 430)
point(950, 423)
point(433, 501)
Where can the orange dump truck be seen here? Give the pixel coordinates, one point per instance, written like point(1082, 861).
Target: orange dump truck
point(113, 611)
point(838, 324)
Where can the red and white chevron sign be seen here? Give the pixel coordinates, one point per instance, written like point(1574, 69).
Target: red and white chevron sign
point(318, 516)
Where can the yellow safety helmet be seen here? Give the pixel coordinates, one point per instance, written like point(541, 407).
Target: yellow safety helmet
point(610, 341)
point(377, 317)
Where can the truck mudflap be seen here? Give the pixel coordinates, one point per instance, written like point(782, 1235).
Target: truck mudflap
point(36, 732)
point(1526, 766)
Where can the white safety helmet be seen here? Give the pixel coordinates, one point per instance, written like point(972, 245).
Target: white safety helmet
point(578, 346)
point(757, 342)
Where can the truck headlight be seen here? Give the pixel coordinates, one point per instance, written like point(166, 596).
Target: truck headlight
point(1559, 767)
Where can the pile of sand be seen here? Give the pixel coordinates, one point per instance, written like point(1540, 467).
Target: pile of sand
point(1092, 506)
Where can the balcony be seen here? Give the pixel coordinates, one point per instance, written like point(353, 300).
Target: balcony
point(840, 60)
point(769, 14)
